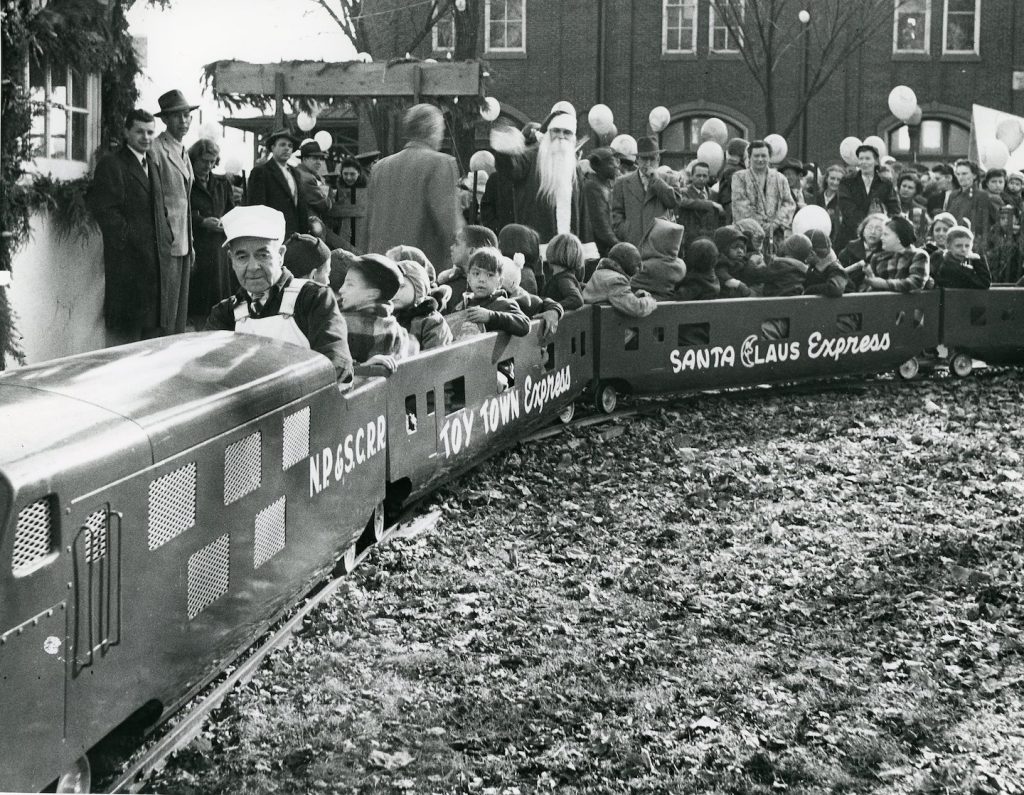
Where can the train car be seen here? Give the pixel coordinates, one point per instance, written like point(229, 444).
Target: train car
point(696, 345)
point(983, 324)
point(452, 407)
point(161, 504)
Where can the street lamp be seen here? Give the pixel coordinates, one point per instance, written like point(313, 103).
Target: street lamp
point(805, 19)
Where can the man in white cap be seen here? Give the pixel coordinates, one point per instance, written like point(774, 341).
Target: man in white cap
point(547, 183)
point(271, 302)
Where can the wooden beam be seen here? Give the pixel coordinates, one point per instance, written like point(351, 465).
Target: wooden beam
point(349, 79)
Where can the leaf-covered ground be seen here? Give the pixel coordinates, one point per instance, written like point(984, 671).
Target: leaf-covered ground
point(752, 592)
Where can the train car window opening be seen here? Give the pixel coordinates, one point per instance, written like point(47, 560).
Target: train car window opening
point(35, 536)
point(694, 334)
point(978, 316)
point(849, 323)
point(572, 345)
point(505, 373)
point(410, 414)
point(775, 328)
point(632, 339)
point(549, 357)
point(659, 333)
point(430, 403)
point(583, 343)
point(454, 395)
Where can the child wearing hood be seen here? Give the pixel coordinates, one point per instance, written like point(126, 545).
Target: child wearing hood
point(516, 239)
point(661, 270)
point(416, 311)
point(701, 283)
point(825, 276)
point(564, 256)
point(548, 312)
point(785, 274)
point(610, 283)
point(739, 277)
point(961, 266)
point(755, 236)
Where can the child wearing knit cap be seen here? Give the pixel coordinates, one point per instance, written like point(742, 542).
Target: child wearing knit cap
point(610, 283)
point(661, 270)
point(899, 267)
point(825, 276)
point(785, 274)
point(375, 337)
point(546, 310)
point(739, 277)
point(416, 311)
point(701, 282)
point(961, 266)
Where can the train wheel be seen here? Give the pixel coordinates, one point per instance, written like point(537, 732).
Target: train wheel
point(606, 398)
point(565, 415)
point(378, 522)
point(961, 365)
point(77, 778)
point(349, 561)
point(909, 369)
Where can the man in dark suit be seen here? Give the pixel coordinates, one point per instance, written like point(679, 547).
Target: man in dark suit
point(276, 184)
point(640, 197)
point(412, 197)
point(126, 198)
point(698, 213)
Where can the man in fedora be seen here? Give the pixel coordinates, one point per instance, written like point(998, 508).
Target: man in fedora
point(640, 197)
point(316, 193)
point(177, 178)
point(276, 184)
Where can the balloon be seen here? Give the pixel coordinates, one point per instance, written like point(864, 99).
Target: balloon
point(1011, 133)
point(232, 165)
point(659, 118)
point(902, 102)
point(715, 130)
point(482, 161)
point(324, 139)
point(600, 119)
point(609, 136)
point(624, 145)
point(878, 143)
point(490, 109)
point(812, 217)
point(305, 121)
point(915, 117)
point(848, 150)
point(995, 154)
point(711, 152)
point(211, 130)
point(778, 145)
point(563, 106)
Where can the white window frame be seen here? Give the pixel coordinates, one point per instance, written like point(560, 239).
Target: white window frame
point(488, 46)
point(449, 17)
point(66, 167)
point(664, 26)
point(977, 30)
point(927, 49)
point(712, 27)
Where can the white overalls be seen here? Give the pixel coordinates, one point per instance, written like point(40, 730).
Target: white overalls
point(281, 326)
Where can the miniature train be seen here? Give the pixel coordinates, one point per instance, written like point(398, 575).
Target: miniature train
point(162, 503)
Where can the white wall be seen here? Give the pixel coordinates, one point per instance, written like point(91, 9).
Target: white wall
point(57, 293)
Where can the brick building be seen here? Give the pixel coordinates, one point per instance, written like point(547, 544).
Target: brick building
point(636, 54)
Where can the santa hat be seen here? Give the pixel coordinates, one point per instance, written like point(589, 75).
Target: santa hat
point(566, 120)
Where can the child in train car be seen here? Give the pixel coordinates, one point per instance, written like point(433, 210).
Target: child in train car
point(784, 275)
point(414, 254)
point(754, 233)
point(416, 311)
point(467, 240)
point(487, 303)
point(935, 240)
point(661, 270)
point(564, 257)
point(1014, 195)
point(308, 257)
point(546, 310)
point(825, 276)
point(516, 239)
point(739, 277)
point(701, 282)
point(374, 335)
point(961, 266)
point(856, 254)
point(610, 283)
point(900, 266)
point(1005, 248)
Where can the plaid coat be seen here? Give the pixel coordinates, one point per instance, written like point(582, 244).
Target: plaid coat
point(374, 331)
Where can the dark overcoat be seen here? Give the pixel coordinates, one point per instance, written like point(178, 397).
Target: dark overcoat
point(854, 203)
point(267, 186)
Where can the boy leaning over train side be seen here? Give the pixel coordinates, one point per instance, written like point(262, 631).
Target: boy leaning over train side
point(271, 302)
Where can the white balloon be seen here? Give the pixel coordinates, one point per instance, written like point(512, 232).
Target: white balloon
point(659, 118)
point(711, 152)
point(714, 130)
point(915, 117)
point(563, 106)
point(848, 150)
point(482, 160)
point(1010, 132)
point(324, 139)
point(211, 130)
point(600, 119)
point(812, 217)
point(902, 102)
point(878, 143)
point(624, 145)
point(232, 165)
point(305, 121)
point(491, 109)
point(778, 146)
point(994, 154)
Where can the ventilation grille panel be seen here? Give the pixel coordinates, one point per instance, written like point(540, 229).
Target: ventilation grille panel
point(296, 438)
point(243, 463)
point(208, 571)
point(33, 537)
point(270, 533)
point(172, 505)
point(96, 535)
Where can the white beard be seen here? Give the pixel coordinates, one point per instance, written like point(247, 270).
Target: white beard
point(556, 167)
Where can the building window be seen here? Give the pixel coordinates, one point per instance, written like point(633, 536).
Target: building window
point(681, 138)
point(65, 112)
point(940, 140)
point(444, 33)
point(960, 27)
point(505, 24)
point(679, 26)
point(912, 24)
point(730, 12)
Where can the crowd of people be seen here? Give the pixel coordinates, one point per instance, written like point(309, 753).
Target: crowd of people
point(411, 265)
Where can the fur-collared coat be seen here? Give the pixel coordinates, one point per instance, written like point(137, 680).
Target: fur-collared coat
point(772, 208)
